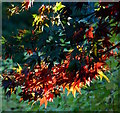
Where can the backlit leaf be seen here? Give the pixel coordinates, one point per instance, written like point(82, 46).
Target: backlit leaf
point(101, 74)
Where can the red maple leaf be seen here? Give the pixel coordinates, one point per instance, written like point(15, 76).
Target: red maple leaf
point(89, 33)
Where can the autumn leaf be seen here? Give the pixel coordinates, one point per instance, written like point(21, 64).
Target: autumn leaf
point(29, 51)
point(58, 6)
point(43, 101)
point(101, 74)
point(73, 90)
point(50, 97)
point(89, 33)
point(28, 4)
point(95, 49)
point(78, 89)
point(19, 69)
point(64, 55)
point(79, 48)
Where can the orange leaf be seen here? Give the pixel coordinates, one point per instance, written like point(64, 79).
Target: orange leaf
point(20, 99)
point(42, 101)
point(89, 33)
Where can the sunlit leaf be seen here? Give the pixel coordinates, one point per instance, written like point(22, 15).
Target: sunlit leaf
point(58, 6)
point(101, 74)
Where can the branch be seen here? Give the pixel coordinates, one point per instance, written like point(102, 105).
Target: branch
point(84, 16)
point(111, 48)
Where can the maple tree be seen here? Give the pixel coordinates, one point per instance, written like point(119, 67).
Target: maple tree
point(61, 50)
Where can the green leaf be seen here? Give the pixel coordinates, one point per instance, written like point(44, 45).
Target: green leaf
point(3, 40)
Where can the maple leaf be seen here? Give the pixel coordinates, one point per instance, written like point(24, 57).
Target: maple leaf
point(43, 101)
point(79, 48)
point(58, 7)
point(28, 4)
point(98, 65)
point(78, 89)
point(20, 99)
point(50, 97)
point(19, 69)
point(101, 74)
point(89, 33)
point(72, 89)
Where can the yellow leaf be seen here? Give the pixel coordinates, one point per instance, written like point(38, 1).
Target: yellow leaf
point(79, 48)
point(71, 50)
point(33, 94)
point(58, 6)
point(74, 92)
point(78, 89)
point(19, 69)
point(47, 25)
point(22, 46)
point(33, 103)
point(101, 74)
point(84, 86)
point(95, 49)
point(97, 9)
point(14, 68)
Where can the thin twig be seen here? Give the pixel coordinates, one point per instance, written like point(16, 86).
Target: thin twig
point(111, 48)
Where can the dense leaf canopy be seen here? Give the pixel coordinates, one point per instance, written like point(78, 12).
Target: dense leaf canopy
point(55, 47)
